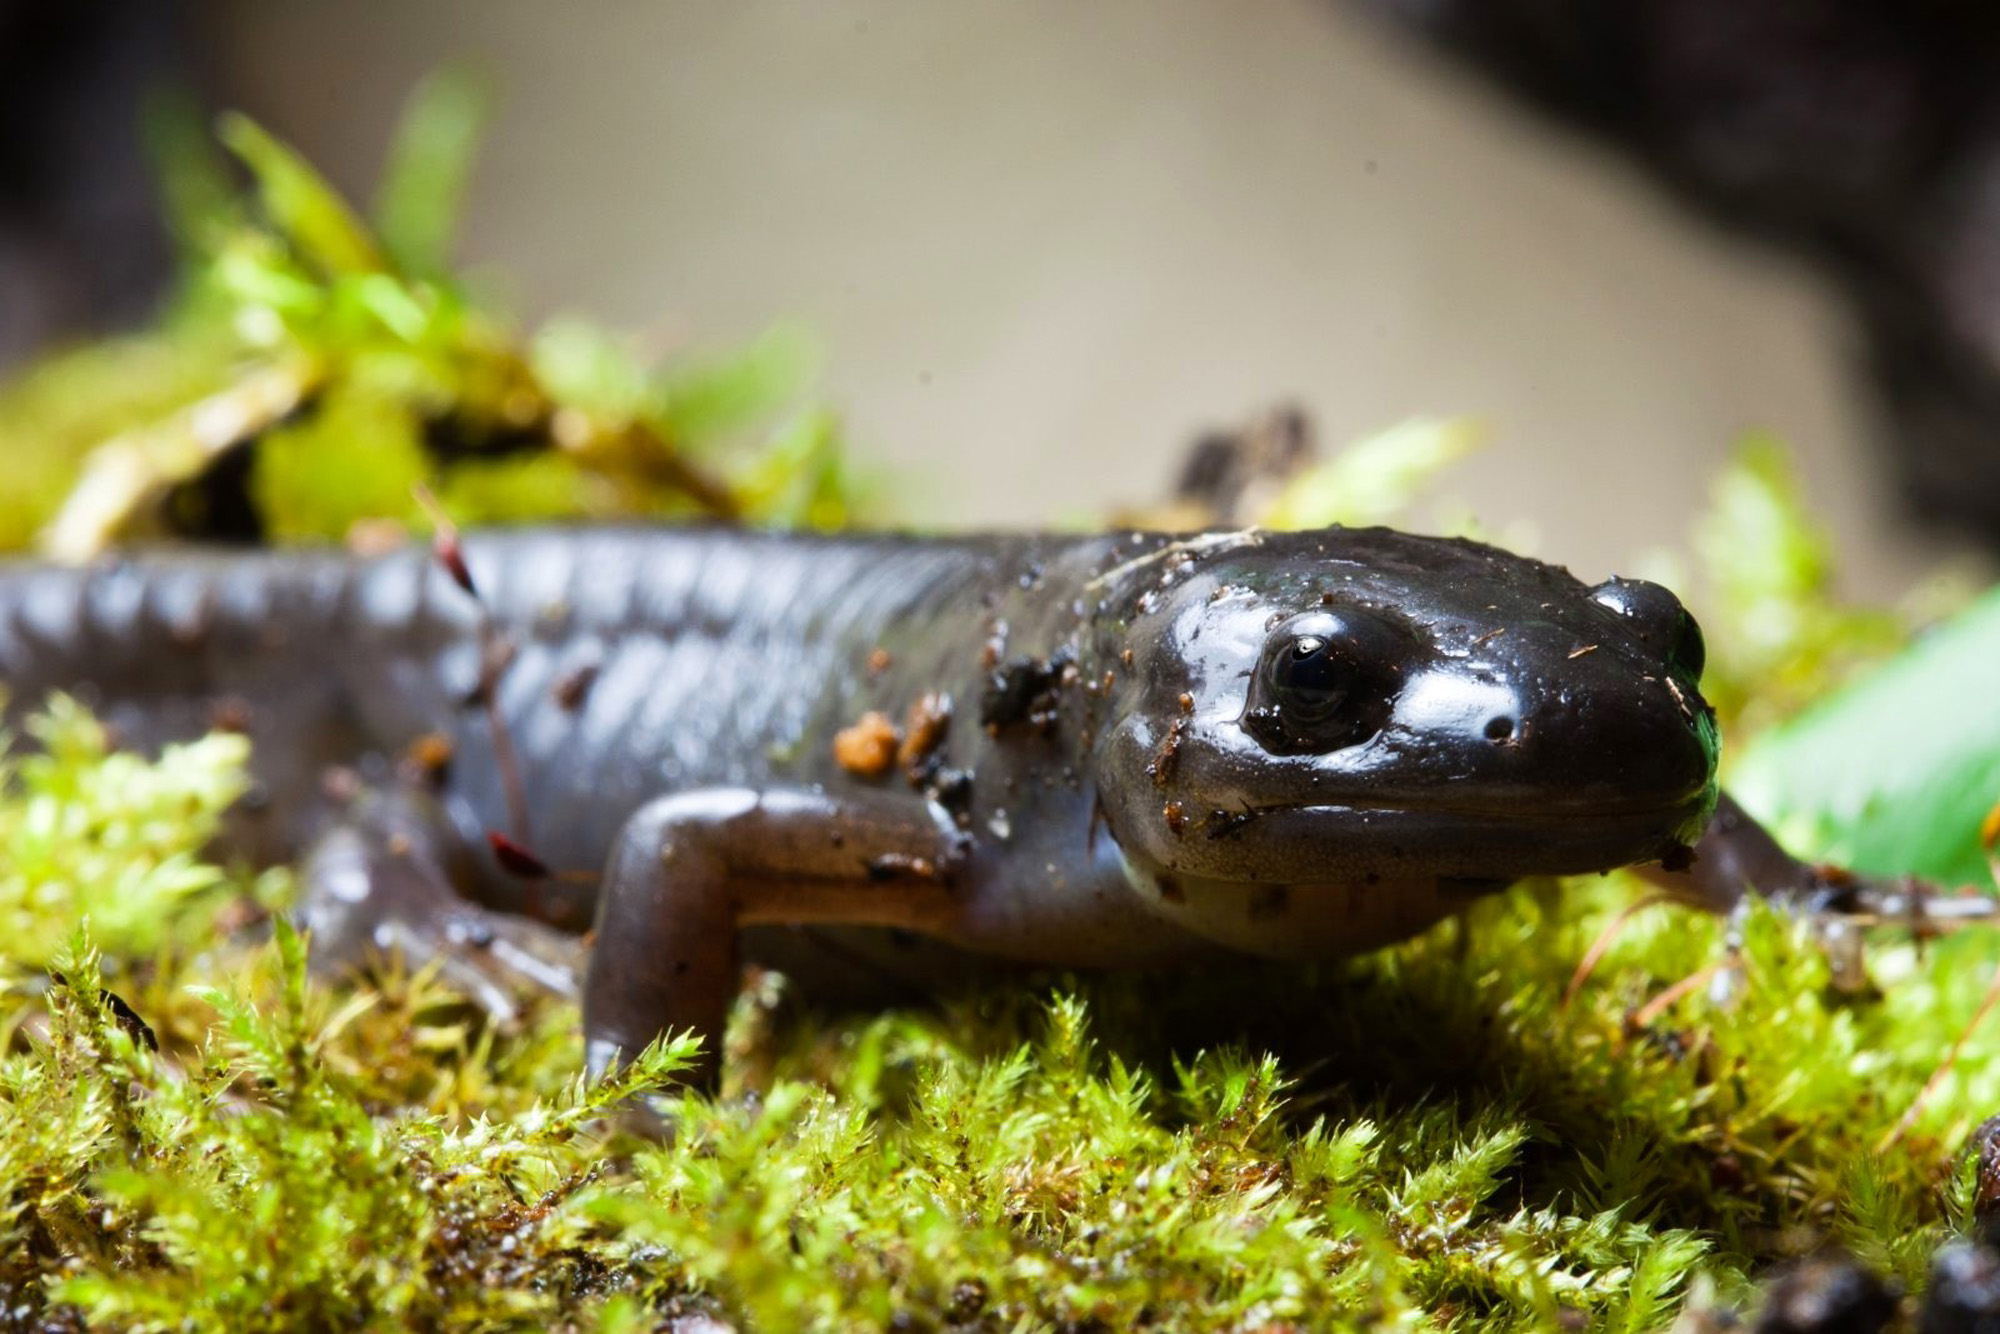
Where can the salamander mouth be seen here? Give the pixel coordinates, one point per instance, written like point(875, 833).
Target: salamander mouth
point(1485, 842)
point(1556, 811)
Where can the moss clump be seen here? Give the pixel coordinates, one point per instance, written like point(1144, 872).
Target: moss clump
point(257, 1189)
point(109, 838)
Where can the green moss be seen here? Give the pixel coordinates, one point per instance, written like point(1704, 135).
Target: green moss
point(256, 1188)
point(1426, 1135)
point(108, 838)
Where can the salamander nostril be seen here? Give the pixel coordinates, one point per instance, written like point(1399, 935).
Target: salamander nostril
point(1500, 728)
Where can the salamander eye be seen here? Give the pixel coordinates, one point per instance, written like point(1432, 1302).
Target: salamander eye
point(1307, 681)
point(1690, 653)
point(1328, 680)
point(1659, 619)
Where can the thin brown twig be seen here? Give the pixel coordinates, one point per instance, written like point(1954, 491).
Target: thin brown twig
point(1602, 945)
point(1666, 1000)
point(1909, 1117)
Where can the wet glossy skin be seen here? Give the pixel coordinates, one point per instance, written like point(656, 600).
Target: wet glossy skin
point(1130, 749)
point(1499, 719)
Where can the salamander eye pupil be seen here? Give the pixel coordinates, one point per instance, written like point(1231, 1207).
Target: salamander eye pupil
point(1326, 680)
point(1308, 680)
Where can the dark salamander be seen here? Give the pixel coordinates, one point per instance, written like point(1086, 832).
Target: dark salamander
point(1121, 749)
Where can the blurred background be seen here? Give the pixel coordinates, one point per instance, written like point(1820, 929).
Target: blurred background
point(1045, 244)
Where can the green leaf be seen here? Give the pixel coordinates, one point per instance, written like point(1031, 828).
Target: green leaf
point(197, 194)
point(801, 478)
point(1765, 549)
point(589, 368)
point(702, 400)
point(1780, 635)
point(358, 457)
point(523, 489)
point(1894, 774)
point(1374, 479)
point(422, 194)
point(303, 205)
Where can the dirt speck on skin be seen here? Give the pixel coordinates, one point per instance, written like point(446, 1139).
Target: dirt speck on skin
point(921, 756)
point(995, 646)
point(1226, 824)
point(951, 789)
point(1168, 757)
point(923, 731)
point(1026, 691)
point(574, 688)
point(901, 866)
point(867, 749)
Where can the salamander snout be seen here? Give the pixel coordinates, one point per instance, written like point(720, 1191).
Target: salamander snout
point(1657, 619)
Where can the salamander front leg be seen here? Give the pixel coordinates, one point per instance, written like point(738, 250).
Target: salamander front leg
point(1736, 856)
point(1736, 859)
point(690, 871)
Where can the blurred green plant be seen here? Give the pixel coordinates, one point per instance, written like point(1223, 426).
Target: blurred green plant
point(1779, 634)
point(314, 366)
point(1898, 773)
point(1376, 478)
point(111, 839)
point(1866, 735)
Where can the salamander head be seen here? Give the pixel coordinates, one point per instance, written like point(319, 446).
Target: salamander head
point(1360, 707)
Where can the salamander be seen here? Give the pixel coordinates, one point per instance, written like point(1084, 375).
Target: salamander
point(708, 747)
